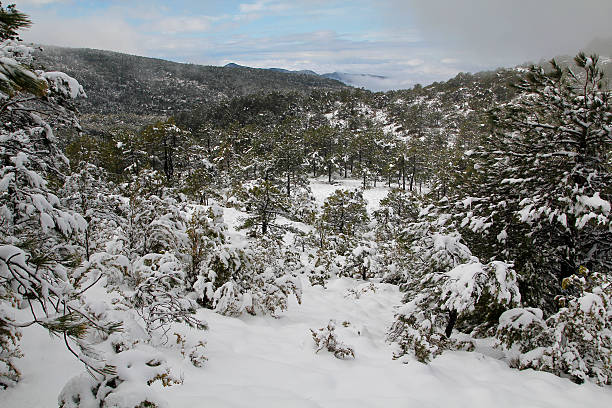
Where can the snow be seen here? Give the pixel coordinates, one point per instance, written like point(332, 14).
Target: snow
point(595, 202)
point(267, 362)
point(591, 303)
point(261, 361)
point(519, 318)
point(64, 84)
point(322, 189)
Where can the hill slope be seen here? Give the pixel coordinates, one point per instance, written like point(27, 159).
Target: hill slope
point(260, 361)
point(122, 83)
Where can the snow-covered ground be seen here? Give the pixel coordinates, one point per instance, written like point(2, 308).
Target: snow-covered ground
point(267, 362)
point(321, 189)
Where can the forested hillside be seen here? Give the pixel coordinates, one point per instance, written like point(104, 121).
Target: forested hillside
point(122, 83)
point(253, 237)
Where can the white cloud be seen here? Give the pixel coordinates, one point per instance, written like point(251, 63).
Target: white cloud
point(105, 31)
point(502, 31)
point(415, 62)
point(450, 61)
point(174, 25)
point(41, 2)
point(262, 6)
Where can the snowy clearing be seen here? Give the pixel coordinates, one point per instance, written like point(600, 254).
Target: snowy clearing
point(267, 362)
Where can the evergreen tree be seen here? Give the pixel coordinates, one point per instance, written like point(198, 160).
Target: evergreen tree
point(38, 252)
point(538, 191)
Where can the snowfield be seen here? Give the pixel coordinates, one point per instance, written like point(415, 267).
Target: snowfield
point(266, 362)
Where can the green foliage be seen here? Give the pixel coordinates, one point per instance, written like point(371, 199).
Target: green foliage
point(263, 202)
point(344, 212)
point(12, 20)
point(537, 190)
point(576, 341)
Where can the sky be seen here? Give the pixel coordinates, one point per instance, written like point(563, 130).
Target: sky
point(406, 41)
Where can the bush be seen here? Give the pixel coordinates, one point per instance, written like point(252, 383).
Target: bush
point(469, 297)
point(575, 342)
point(325, 338)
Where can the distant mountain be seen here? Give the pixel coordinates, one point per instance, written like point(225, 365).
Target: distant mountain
point(126, 84)
point(304, 71)
point(344, 76)
point(280, 70)
point(367, 81)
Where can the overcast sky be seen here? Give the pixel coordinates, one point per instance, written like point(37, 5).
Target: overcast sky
point(408, 41)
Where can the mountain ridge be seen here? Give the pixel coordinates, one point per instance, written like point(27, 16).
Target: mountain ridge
point(346, 78)
point(123, 83)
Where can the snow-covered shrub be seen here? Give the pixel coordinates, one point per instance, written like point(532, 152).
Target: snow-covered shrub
point(326, 338)
point(88, 191)
point(363, 261)
point(155, 224)
point(357, 292)
point(9, 343)
point(195, 352)
point(397, 209)
point(576, 341)
point(469, 297)
point(343, 213)
point(256, 280)
point(206, 233)
point(214, 281)
point(324, 265)
point(302, 205)
point(159, 295)
point(128, 387)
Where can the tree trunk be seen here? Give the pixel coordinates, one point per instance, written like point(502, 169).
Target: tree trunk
point(451, 323)
point(404, 174)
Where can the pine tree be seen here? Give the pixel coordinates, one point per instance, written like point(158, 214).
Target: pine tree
point(38, 252)
point(538, 191)
point(344, 212)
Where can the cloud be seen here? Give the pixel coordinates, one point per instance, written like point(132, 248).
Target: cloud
point(503, 31)
point(174, 25)
point(449, 61)
point(105, 31)
point(262, 6)
point(327, 51)
point(407, 41)
point(41, 2)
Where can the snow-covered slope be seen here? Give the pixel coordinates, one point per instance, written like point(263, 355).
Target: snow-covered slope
point(267, 362)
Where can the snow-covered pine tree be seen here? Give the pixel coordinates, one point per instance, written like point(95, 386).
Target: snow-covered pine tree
point(263, 201)
point(255, 280)
point(343, 214)
point(38, 251)
point(576, 341)
point(539, 192)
